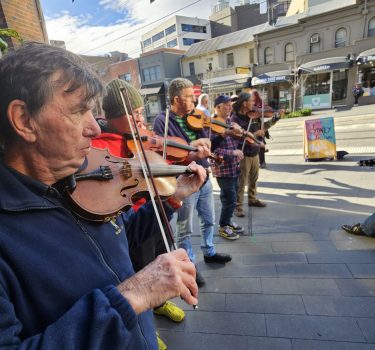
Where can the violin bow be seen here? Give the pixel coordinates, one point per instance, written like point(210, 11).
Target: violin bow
point(247, 130)
point(150, 182)
point(166, 133)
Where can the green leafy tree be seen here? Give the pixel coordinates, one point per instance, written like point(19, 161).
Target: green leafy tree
point(7, 33)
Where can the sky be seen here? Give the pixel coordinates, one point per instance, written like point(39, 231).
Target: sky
point(97, 27)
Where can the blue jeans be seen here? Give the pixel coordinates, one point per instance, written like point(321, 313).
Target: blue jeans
point(368, 226)
point(228, 195)
point(203, 201)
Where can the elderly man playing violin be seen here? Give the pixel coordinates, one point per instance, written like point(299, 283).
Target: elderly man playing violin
point(182, 98)
point(68, 282)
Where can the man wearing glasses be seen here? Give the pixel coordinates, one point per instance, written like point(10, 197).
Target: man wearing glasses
point(182, 98)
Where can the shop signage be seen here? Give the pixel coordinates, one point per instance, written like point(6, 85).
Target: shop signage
point(243, 70)
point(319, 139)
point(317, 101)
point(269, 80)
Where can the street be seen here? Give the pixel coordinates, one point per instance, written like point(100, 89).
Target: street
point(297, 281)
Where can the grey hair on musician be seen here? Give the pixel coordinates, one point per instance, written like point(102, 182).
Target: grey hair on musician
point(176, 86)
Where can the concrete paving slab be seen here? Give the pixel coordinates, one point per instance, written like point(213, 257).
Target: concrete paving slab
point(226, 323)
point(299, 344)
point(306, 247)
point(230, 342)
point(274, 258)
point(367, 326)
point(356, 287)
point(355, 257)
point(231, 285)
point(362, 270)
point(314, 327)
point(340, 306)
point(314, 271)
point(299, 286)
point(264, 304)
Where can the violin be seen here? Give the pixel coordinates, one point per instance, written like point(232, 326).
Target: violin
point(177, 148)
point(218, 125)
point(105, 185)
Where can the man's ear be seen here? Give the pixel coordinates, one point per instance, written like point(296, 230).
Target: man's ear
point(20, 120)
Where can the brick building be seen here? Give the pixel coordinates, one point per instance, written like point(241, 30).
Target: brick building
point(24, 16)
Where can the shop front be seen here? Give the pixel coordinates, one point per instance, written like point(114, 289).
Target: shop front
point(324, 83)
point(154, 98)
point(276, 88)
point(366, 75)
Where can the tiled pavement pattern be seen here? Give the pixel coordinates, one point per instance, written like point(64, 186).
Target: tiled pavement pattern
point(299, 282)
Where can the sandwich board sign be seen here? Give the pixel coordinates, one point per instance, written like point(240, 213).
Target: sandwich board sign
point(319, 139)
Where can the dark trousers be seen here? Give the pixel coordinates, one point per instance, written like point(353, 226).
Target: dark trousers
point(228, 195)
point(356, 97)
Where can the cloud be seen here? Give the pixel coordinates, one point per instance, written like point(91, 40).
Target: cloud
point(124, 36)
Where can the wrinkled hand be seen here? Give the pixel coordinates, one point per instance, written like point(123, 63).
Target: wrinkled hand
point(239, 154)
point(235, 130)
point(259, 133)
point(168, 276)
point(190, 183)
point(203, 146)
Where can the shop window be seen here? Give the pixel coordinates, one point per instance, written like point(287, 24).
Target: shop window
point(339, 85)
point(314, 43)
point(251, 56)
point(268, 56)
point(170, 30)
point(151, 73)
point(371, 27)
point(368, 80)
point(230, 60)
point(192, 68)
point(340, 37)
point(289, 52)
point(317, 84)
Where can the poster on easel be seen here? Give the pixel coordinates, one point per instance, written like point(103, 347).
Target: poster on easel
point(319, 140)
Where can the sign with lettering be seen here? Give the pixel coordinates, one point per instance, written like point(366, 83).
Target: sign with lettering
point(243, 70)
point(319, 139)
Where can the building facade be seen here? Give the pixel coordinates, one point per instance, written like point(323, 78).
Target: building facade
point(223, 64)
point(316, 51)
point(178, 32)
point(25, 17)
point(157, 68)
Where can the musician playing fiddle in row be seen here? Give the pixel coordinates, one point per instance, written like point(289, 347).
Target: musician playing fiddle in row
point(182, 98)
point(245, 116)
point(67, 282)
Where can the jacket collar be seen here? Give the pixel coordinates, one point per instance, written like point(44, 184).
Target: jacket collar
point(20, 192)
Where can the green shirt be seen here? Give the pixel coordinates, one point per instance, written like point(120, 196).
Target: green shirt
point(182, 123)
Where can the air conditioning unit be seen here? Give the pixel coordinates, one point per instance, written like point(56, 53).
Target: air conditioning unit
point(314, 39)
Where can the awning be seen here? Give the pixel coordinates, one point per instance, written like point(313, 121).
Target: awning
point(366, 56)
point(240, 78)
point(279, 76)
point(325, 64)
point(150, 89)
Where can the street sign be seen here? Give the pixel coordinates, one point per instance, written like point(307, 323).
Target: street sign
point(319, 139)
point(242, 70)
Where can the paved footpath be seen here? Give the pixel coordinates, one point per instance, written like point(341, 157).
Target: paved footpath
point(298, 281)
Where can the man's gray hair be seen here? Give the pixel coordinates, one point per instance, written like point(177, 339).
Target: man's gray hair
point(175, 87)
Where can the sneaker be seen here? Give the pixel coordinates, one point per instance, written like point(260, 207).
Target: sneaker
point(161, 344)
point(239, 213)
point(171, 311)
point(227, 233)
point(354, 230)
point(219, 258)
point(263, 166)
point(199, 278)
point(236, 228)
point(257, 203)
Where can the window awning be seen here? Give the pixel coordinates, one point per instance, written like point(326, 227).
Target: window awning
point(279, 76)
point(325, 64)
point(366, 56)
point(150, 89)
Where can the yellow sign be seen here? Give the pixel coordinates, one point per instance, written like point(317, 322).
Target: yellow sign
point(242, 70)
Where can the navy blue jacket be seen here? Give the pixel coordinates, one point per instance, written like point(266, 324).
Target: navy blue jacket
point(174, 129)
point(58, 273)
